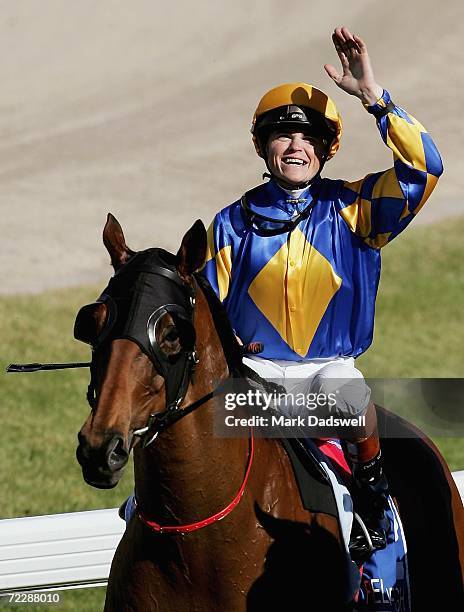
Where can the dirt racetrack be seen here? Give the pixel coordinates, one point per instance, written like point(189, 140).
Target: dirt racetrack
point(143, 109)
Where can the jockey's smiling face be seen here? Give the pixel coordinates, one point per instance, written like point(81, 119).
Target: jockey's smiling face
point(294, 157)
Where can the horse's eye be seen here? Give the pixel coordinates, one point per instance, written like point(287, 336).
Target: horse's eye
point(171, 335)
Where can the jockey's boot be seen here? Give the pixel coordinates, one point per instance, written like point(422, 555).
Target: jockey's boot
point(370, 494)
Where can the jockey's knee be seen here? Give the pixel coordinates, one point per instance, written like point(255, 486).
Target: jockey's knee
point(344, 386)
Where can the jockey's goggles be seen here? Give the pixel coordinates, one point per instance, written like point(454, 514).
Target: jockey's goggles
point(271, 226)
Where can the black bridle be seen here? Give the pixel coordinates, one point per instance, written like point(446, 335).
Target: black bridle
point(179, 302)
point(178, 374)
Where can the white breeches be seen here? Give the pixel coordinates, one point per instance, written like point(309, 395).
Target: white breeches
point(337, 377)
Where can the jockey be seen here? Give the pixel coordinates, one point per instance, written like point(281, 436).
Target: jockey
point(296, 260)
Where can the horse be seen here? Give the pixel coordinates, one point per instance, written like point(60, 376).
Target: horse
point(187, 474)
point(219, 522)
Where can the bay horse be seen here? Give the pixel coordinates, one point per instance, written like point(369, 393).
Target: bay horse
point(219, 523)
point(188, 474)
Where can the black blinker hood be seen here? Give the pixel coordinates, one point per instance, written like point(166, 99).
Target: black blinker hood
point(139, 293)
point(139, 290)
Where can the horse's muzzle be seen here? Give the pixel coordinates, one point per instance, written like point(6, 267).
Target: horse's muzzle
point(103, 465)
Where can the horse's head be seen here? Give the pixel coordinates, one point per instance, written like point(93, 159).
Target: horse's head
point(144, 339)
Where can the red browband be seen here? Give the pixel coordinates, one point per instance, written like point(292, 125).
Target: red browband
point(212, 519)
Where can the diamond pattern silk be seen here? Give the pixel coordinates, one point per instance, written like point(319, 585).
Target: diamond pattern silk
point(294, 289)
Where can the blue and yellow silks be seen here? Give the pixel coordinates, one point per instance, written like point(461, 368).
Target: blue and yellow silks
point(310, 293)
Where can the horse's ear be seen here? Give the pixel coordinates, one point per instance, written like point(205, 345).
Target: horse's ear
point(115, 243)
point(192, 252)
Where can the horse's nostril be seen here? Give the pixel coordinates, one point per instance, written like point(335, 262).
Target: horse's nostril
point(117, 455)
point(82, 450)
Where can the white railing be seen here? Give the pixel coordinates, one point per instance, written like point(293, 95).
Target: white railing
point(58, 551)
point(459, 480)
point(63, 551)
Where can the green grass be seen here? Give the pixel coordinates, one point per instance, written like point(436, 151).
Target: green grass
point(42, 412)
point(418, 334)
point(83, 600)
point(418, 330)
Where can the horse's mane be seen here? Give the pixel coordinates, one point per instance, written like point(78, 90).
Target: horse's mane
point(231, 347)
point(232, 350)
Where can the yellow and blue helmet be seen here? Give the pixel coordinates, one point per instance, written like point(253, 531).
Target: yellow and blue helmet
point(297, 105)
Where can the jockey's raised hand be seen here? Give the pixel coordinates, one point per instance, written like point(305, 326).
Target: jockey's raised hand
point(358, 77)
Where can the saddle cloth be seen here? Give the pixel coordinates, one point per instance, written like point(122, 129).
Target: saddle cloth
point(384, 577)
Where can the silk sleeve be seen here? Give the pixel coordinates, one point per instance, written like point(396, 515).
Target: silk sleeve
point(379, 206)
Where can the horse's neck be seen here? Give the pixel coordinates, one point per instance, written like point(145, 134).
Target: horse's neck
point(189, 473)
